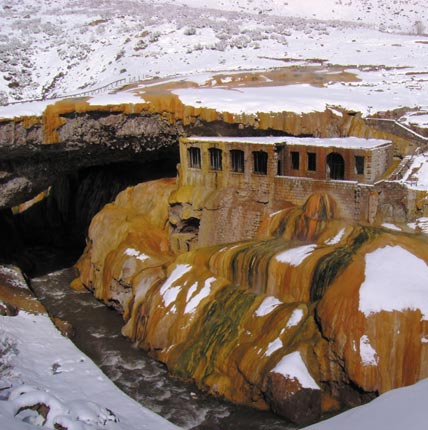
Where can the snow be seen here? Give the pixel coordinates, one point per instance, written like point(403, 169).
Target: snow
point(124, 97)
point(292, 366)
point(170, 292)
point(55, 47)
point(336, 239)
point(367, 353)
point(302, 98)
point(395, 280)
point(295, 256)
point(418, 120)
point(25, 109)
point(267, 306)
point(403, 408)
point(273, 346)
point(295, 318)
point(416, 176)
point(344, 142)
point(421, 224)
point(193, 300)
point(391, 226)
point(137, 254)
point(14, 278)
point(43, 366)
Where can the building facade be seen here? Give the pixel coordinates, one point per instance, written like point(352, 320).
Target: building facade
point(289, 168)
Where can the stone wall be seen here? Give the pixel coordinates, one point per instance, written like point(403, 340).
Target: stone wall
point(352, 198)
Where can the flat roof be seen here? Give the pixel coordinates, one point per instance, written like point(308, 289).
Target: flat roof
point(327, 142)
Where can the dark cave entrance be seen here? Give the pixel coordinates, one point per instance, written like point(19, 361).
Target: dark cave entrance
point(51, 234)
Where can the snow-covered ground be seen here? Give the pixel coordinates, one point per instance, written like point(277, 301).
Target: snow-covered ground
point(60, 47)
point(40, 366)
point(403, 408)
point(63, 46)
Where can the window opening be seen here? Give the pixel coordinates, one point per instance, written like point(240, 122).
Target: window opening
point(194, 158)
point(260, 162)
point(295, 160)
point(215, 158)
point(359, 165)
point(335, 166)
point(237, 159)
point(312, 161)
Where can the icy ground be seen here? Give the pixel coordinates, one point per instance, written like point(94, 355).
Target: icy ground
point(60, 47)
point(40, 366)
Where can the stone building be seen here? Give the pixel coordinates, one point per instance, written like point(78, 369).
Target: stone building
point(275, 169)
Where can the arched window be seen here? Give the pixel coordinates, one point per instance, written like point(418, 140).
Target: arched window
point(260, 162)
point(335, 166)
point(237, 160)
point(215, 159)
point(194, 157)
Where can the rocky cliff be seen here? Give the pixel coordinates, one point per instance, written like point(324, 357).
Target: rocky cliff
point(312, 315)
point(75, 133)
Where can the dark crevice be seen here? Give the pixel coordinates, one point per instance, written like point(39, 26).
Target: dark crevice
point(51, 234)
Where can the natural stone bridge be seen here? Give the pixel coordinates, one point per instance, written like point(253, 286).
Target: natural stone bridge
point(71, 134)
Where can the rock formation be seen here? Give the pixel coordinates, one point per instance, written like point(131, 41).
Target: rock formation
point(71, 134)
point(285, 319)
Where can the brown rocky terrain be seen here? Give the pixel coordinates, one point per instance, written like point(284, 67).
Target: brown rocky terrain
point(73, 133)
point(228, 316)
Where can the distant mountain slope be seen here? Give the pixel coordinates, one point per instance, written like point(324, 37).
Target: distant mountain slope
point(62, 46)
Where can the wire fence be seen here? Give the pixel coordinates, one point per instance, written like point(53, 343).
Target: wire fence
point(86, 93)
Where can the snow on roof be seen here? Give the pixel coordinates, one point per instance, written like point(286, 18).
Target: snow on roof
point(395, 280)
point(293, 366)
point(333, 142)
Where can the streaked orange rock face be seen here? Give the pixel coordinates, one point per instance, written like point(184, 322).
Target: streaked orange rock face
point(224, 316)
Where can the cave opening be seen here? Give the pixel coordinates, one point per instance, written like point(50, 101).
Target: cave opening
point(50, 234)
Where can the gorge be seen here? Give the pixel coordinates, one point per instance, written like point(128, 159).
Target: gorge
point(258, 300)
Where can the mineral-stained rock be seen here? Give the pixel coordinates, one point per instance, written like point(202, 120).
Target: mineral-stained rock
point(287, 397)
point(228, 316)
point(375, 313)
point(15, 294)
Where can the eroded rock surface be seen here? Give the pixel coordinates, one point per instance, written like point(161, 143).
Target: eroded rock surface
point(227, 315)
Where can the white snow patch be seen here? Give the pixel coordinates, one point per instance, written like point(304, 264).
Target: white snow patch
point(416, 176)
point(46, 367)
point(424, 339)
point(296, 256)
point(170, 292)
point(273, 346)
point(295, 318)
point(292, 366)
point(395, 280)
point(336, 239)
point(421, 224)
point(14, 277)
point(267, 306)
point(331, 142)
point(137, 254)
point(368, 355)
point(391, 226)
point(403, 408)
point(193, 303)
point(123, 97)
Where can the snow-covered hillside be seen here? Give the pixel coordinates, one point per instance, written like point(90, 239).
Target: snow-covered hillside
point(63, 46)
